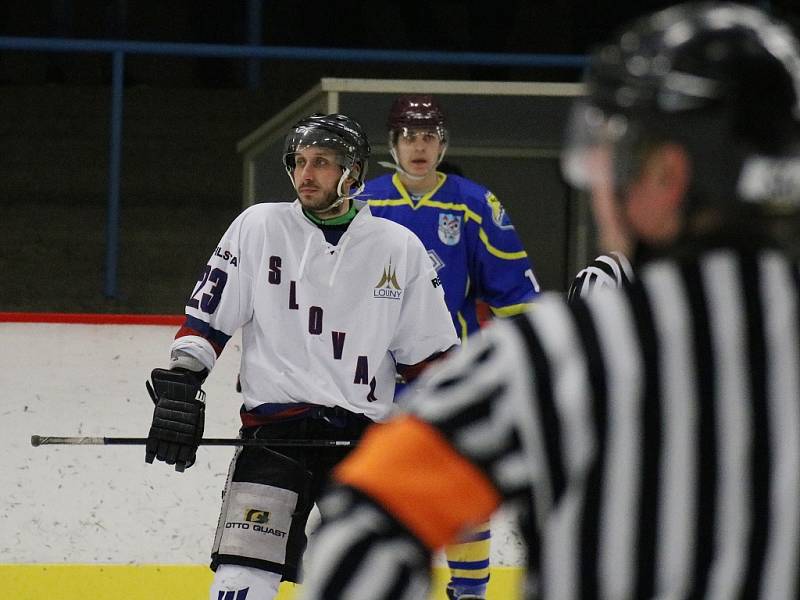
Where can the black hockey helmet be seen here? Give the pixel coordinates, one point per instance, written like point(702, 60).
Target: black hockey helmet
point(417, 111)
point(335, 131)
point(718, 78)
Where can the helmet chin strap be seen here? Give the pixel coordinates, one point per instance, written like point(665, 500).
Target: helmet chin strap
point(333, 205)
point(341, 196)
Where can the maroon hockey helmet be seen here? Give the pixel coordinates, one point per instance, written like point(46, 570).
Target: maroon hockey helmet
point(417, 111)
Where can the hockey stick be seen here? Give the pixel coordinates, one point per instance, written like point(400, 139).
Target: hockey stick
point(47, 440)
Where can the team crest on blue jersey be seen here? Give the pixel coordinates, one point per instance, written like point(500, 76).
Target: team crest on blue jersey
point(499, 215)
point(449, 229)
point(387, 285)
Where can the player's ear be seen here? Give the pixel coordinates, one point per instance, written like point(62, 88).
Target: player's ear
point(352, 178)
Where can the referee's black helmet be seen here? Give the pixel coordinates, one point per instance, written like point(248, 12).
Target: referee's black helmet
point(720, 79)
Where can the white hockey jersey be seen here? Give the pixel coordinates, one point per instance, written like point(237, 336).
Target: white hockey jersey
point(321, 324)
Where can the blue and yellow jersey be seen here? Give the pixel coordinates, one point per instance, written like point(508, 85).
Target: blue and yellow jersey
point(470, 239)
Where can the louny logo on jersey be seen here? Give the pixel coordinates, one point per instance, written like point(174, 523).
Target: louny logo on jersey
point(387, 286)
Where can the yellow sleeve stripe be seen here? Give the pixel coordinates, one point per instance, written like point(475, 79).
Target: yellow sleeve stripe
point(406, 201)
point(427, 200)
point(468, 214)
point(497, 252)
point(511, 310)
point(463, 322)
point(396, 202)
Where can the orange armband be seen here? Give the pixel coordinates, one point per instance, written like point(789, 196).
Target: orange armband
point(409, 468)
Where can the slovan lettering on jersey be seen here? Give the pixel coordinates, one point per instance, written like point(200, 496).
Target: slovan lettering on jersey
point(227, 256)
point(337, 338)
point(263, 529)
point(362, 371)
point(316, 316)
point(274, 276)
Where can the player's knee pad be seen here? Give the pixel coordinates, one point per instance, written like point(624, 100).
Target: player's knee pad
point(264, 494)
point(235, 582)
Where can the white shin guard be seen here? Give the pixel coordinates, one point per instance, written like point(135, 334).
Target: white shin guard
point(235, 582)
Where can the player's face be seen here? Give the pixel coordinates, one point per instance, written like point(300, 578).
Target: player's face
point(418, 150)
point(316, 176)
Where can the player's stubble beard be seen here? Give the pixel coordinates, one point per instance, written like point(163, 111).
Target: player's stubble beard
point(322, 206)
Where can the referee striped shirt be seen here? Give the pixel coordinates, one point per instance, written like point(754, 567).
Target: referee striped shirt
point(651, 433)
point(610, 270)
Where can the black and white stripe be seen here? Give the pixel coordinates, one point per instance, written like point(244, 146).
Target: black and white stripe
point(385, 561)
point(662, 429)
point(612, 270)
point(653, 431)
point(694, 423)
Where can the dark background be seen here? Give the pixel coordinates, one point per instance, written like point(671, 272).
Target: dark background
point(181, 174)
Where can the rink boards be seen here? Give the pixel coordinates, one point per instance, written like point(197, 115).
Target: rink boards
point(96, 521)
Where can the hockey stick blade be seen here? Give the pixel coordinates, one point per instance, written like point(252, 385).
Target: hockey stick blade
point(50, 440)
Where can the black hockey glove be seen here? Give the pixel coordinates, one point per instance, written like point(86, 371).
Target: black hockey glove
point(178, 417)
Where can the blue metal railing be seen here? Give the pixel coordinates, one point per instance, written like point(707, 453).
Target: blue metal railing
point(119, 48)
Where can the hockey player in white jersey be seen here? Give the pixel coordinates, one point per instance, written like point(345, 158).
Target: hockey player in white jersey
point(333, 303)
